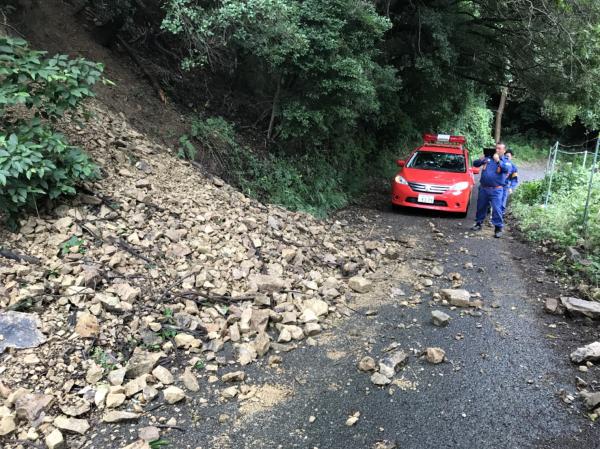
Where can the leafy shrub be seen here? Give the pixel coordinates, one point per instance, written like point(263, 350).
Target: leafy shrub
point(309, 182)
point(528, 147)
point(36, 161)
point(561, 221)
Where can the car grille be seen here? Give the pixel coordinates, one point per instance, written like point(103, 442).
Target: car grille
point(427, 188)
point(412, 199)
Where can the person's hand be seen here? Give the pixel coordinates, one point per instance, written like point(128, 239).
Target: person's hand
point(510, 191)
point(496, 157)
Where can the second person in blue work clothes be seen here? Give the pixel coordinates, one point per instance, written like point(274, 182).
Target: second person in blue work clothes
point(512, 179)
point(491, 188)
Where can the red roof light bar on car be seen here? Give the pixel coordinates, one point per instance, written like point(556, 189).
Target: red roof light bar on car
point(444, 138)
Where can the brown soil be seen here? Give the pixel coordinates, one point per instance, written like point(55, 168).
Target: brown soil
point(52, 26)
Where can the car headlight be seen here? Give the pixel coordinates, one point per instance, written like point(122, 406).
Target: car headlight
point(400, 180)
point(459, 186)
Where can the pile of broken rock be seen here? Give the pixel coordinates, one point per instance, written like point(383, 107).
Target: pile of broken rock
point(156, 280)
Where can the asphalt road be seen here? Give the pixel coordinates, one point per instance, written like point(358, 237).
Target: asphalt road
point(499, 388)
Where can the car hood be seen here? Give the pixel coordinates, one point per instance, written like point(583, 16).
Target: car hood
point(433, 176)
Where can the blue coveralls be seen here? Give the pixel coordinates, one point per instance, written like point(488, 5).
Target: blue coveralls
point(512, 180)
point(493, 178)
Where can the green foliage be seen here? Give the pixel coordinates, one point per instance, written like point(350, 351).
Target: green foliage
point(199, 365)
point(36, 161)
point(157, 444)
point(308, 182)
point(528, 148)
point(560, 222)
point(103, 359)
point(167, 334)
point(315, 63)
point(474, 122)
point(73, 242)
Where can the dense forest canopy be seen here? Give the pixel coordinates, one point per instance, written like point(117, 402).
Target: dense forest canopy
point(321, 95)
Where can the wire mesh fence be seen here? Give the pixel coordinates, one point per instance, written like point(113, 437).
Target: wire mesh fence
point(560, 156)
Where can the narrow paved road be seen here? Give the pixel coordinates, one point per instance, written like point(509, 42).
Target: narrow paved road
point(500, 387)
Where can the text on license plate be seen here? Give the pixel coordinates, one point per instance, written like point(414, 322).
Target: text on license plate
point(428, 199)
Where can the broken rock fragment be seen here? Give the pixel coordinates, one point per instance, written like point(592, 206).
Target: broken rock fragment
point(29, 406)
point(456, 297)
point(173, 395)
point(118, 416)
point(435, 355)
point(87, 325)
point(440, 318)
point(142, 362)
point(73, 425)
point(389, 364)
point(367, 364)
point(586, 353)
point(19, 330)
point(380, 379)
point(580, 307)
point(360, 284)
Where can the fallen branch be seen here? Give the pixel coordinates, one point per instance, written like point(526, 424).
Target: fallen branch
point(177, 284)
point(167, 426)
point(211, 298)
point(19, 257)
point(131, 250)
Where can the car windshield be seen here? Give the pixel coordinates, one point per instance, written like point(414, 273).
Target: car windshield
point(432, 160)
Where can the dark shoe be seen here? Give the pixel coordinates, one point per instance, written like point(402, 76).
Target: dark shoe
point(476, 227)
point(498, 232)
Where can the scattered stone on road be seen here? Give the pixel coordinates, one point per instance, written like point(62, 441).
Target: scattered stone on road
point(149, 433)
point(353, 419)
point(435, 355)
point(440, 318)
point(580, 307)
point(586, 353)
point(553, 306)
point(367, 364)
point(457, 297)
point(173, 395)
point(379, 379)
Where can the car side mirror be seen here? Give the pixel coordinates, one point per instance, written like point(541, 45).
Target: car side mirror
point(400, 163)
point(475, 170)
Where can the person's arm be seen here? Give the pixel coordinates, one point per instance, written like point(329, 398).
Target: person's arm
point(504, 166)
point(479, 162)
point(514, 178)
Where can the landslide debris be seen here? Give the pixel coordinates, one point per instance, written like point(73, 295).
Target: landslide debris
point(157, 281)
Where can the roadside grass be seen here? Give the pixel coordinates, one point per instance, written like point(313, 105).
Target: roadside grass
point(559, 225)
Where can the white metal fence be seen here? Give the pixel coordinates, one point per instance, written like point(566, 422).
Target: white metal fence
point(556, 152)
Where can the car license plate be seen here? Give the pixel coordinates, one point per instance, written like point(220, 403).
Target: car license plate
point(427, 199)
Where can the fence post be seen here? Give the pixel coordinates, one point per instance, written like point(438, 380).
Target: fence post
point(552, 166)
point(586, 212)
point(584, 157)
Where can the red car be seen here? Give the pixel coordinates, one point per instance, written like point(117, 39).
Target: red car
point(437, 175)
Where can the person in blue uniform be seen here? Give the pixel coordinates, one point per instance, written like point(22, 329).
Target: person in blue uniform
point(512, 180)
point(491, 185)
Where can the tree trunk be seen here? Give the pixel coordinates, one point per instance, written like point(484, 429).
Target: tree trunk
point(499, 112)
point(274, 109)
